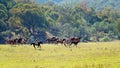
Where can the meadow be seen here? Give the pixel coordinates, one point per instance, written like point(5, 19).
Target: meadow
point(86, 55)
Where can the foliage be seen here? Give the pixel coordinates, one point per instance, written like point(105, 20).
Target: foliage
point(106, 39)
point(26, 19)
point(118, 27)
point(8, 3)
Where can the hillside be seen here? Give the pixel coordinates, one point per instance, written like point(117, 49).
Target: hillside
point(22, 18)
point(98, 4)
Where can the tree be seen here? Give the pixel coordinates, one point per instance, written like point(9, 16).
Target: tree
point(29, 18)
point(3, 12)
point(118, 27)
point(2, 26)
point(8, 3)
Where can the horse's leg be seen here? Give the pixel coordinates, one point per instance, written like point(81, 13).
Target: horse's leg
point(75, 44)
point(70, 44)
point(39, 45)
point(34, 46)
point(65, 44)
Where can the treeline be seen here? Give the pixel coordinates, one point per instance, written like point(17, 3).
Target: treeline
point(23, 18)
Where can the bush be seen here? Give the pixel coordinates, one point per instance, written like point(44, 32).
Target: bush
point(106, 39)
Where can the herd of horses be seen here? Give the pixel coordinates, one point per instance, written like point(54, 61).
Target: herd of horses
point(17, 41)
point(53, 40)
point(70, 41)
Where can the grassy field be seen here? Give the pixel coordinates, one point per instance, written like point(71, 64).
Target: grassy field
point(86, 55)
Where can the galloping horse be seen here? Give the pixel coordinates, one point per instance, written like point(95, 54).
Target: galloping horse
point(61, 41)
point(36, 44)
point(74, 40)
point(52, 40)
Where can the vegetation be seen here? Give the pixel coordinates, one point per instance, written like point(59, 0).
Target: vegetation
point(86, 55)
point(97, 21)
point(26, 19)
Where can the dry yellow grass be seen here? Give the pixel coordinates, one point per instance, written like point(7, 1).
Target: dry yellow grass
point(86, 55)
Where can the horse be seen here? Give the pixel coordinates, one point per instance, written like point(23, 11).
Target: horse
point(25, 40)
point(61, 41)
point(37, 44)
point(11, 41)
point(74, 40)
point(52, 40)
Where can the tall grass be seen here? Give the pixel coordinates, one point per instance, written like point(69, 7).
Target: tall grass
point(86, 55)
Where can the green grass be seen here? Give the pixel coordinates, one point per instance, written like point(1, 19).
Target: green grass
point(86, 55)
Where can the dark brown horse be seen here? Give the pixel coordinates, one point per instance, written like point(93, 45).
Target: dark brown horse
point(25, 40)
point(74, 40)
point(52, 40)
point(61, 41)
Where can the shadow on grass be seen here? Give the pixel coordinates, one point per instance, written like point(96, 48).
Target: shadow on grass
point(40, 49)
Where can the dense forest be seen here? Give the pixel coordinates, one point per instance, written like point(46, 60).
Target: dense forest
point(25, 18)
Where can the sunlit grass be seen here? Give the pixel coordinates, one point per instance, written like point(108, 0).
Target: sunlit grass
point(86, 55)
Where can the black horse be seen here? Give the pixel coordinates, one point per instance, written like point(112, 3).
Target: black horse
point(37, 44)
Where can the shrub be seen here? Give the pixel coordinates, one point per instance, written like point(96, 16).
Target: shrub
point(106, 39)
